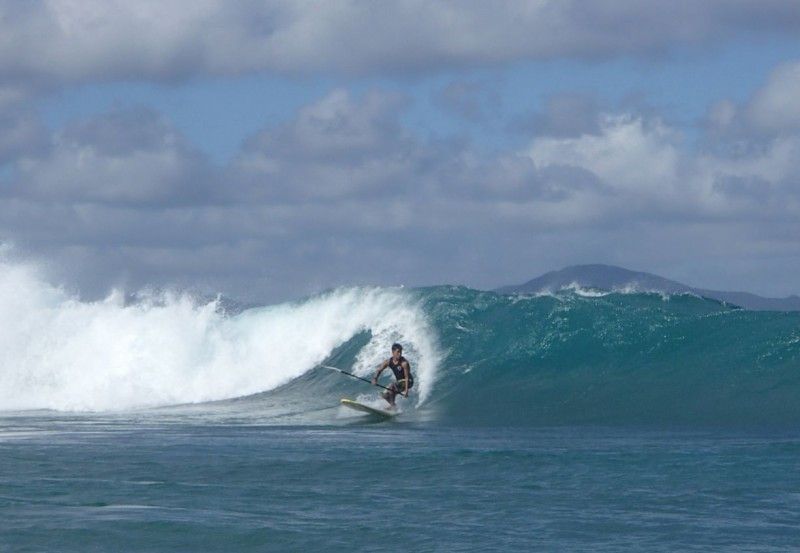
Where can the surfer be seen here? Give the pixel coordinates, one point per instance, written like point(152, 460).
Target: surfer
point(402, 374)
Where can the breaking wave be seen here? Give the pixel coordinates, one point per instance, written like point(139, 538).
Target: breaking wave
point(57, 352)
point(568, 357)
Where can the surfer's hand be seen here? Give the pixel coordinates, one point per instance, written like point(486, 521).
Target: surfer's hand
point(374, 381)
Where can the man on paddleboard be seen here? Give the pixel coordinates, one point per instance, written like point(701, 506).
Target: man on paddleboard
point(402, 374)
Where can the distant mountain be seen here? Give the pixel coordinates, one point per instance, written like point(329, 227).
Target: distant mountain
point(609, 277)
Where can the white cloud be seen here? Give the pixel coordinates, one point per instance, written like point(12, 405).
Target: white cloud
point(776, 106)
point(122, 157)
point(69, 40)
point(337, 147)
point(773, 110)
point(629, 153)
point(650, 174)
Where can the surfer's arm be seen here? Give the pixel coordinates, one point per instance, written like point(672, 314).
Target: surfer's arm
point(381, 367)
point(406, 374)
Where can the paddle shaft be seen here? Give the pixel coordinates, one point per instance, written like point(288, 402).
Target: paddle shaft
point(359, 378)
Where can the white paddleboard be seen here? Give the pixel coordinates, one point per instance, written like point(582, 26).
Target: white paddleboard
point(367, 409)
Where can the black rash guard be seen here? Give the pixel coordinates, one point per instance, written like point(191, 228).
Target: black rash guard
point(398, 371)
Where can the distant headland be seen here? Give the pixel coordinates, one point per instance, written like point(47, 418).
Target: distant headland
point(610, 277)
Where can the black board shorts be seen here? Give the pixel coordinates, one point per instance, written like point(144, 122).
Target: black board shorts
point(400, 385)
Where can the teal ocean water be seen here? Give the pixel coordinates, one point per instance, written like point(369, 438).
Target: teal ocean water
point(579, 421)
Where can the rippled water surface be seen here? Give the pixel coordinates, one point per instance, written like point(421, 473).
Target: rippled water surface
point(150, 483)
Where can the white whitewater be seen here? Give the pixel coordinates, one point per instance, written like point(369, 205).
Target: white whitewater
point(57, 352)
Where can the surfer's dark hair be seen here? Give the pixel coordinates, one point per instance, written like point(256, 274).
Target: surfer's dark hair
point(396, 346)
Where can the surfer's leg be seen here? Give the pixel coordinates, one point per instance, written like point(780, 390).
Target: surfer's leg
point(390, 394)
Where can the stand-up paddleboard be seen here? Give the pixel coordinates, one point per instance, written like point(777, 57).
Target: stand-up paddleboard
point(367, 409)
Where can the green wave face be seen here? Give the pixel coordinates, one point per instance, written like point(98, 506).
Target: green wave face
point(609, 359)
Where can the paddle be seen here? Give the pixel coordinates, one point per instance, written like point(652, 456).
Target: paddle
point(359, 378)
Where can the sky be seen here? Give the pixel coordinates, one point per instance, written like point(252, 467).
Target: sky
point(271, 150)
